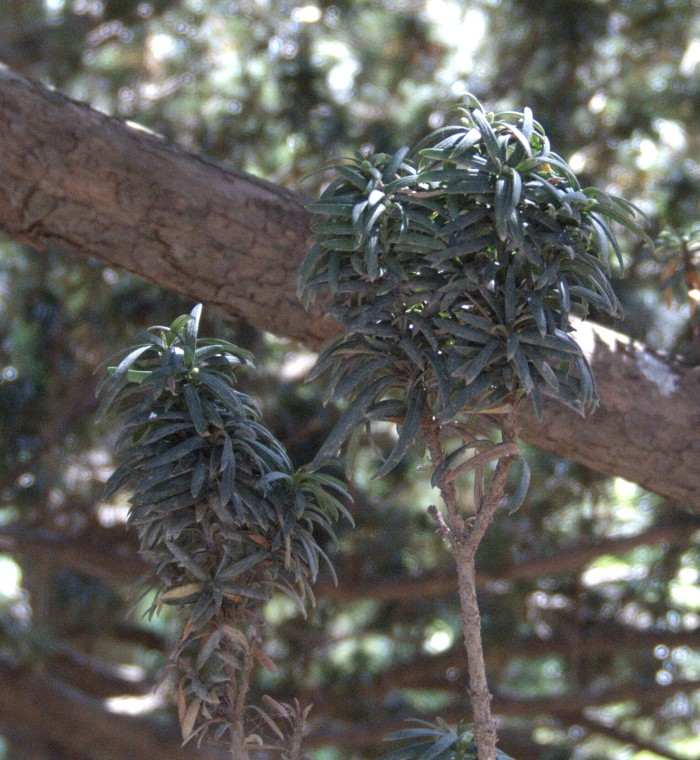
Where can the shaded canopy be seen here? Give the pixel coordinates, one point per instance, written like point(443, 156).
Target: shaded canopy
point(589, 599)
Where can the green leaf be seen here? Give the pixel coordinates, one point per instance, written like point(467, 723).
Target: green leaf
point(119, 379)
point(357, 371)
point(465, 219)
point(352, 417)
point(445, 176)
point(476, 366)
point(527, 123)
point(227, 485)
point(440, 746)
point(515, 501)
point(510, 295)
point(119, 478)
point(246, 591)
point(411, 752)
point(502, 205)
point(175, 453)
point(461, 331)
point(549, 341)
point(179, 323)
point(472, 391)
point(465, 142)
point(164, 431)
point(246, 357)
point(552, 160)
point(341, 244)
point(212, 413)
point(161, 492)
point(473, 245)
point(242, 566)
point(414, 353)
point(194, 407)
point(199, 477)
point(409, 430)
point(498, 451)
point(326, 501)
point(352, 176)
point(521, 367)
point(228, 458)
point(414, 733)
point(186, 561)
point(222, 391)
point(512, 346)
point(476, 186)
point(523, 149)
point(545, 371)
point(475, 321)
point(393, 166)
point(307, 268)
point(488, 135)
point(453, 456)
point(207, 649)
point(191, 327)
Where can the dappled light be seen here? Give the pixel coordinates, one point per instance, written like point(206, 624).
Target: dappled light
point(589, 593)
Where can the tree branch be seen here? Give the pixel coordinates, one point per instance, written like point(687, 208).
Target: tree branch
point(567, 708)
point(442, 671)
point(464, 537)
point(80, 726)
point(569, 559)
point(83, 182)
point(626, 738)
point(99, 552)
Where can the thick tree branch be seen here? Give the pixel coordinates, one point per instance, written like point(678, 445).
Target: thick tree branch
point(444, 670)
point(570, 559)
point(81, 181)
point(567, 708)
point(626, 738)
point(80, 726)
point(102, 553)
point(106, 554)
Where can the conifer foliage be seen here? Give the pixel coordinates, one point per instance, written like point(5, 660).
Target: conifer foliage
point(221, 514)
point(455, 268)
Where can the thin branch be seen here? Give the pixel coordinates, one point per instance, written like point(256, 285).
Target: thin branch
point(464, 536)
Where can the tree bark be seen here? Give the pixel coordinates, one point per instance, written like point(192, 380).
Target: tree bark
point(84, 182)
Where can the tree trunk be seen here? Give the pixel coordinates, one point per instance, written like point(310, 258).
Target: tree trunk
point(84, 182)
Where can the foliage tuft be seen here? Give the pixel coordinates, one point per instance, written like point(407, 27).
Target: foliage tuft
point(220, 512)
point(436, 741)
point(455, 269)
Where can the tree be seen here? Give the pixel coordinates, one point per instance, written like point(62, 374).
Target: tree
point(257, 234)
point(569, 583)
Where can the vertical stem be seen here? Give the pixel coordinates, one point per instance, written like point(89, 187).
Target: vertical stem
point(238, 703)
point(238, 749)
point(295, 741)
point(485, 735)
point(464, 536)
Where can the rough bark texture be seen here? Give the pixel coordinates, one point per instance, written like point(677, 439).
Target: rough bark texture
point(76, 179)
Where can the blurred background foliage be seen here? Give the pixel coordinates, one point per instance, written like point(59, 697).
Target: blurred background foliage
point(590, 594)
